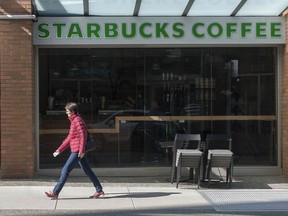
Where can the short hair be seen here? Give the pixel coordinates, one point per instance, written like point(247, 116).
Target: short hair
point(72, 107)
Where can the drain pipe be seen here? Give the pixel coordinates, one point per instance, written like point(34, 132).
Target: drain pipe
point(18, 17)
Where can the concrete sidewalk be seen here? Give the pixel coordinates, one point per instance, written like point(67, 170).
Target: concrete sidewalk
point(148, 196)
point(116, 198)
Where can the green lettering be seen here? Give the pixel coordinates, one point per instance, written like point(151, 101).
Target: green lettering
point(160, 30)
point(141, 30)
point(93, 29)
point(260, 30)
point(44, 33)
point(177, 28)
point(275, 29)
point(216, 26)
point(230, 29)
point(59, 29)
point(75, 30)
point(111, 30)
point(195, 31)
point(132, 31)
point(245, 28)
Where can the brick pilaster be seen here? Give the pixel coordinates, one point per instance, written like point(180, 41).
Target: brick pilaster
point(284, 105)
point(17, 79)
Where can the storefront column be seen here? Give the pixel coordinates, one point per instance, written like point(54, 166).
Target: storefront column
point(17, 78)
point(284, 104)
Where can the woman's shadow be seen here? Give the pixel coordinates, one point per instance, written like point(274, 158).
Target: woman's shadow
point(123, 195)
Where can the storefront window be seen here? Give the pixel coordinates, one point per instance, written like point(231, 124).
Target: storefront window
point(135, 100)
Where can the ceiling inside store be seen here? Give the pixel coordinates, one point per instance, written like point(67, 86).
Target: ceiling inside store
point(159, 8)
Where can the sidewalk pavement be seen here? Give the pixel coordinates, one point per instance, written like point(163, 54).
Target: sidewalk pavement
point(146, 196)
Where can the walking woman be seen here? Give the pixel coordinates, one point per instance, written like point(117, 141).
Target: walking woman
point(76, 139)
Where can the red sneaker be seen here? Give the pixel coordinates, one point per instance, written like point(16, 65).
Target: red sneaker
point(97, 195)
point(51, 195)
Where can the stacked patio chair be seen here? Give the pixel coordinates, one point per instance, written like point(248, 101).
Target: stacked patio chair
point(219, 150)
point(186, 153)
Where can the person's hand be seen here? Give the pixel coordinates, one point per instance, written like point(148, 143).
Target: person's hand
point(81, 155)
point(56, 153)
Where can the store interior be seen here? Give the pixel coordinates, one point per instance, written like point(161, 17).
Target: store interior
point(134, 101)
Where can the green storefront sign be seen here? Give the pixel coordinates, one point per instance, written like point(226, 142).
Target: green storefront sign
point(159, 31)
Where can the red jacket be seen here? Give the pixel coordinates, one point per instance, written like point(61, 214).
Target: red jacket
point(77, 135)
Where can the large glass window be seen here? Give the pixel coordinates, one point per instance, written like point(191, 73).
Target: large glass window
point(135, 100)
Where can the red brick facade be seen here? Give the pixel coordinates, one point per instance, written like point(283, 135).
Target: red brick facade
point(284, 103)
point(17, 78)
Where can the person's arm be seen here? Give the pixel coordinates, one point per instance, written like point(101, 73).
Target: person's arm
point(66, 142)
point(80, 125)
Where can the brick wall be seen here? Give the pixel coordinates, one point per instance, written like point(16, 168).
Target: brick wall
point(17, 79)
point(285, 106)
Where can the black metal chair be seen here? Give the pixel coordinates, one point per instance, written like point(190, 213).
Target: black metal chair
point(186, 153)
point(219, 154)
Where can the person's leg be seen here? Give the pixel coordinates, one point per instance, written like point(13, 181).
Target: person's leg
point(69, 165)
point(84, 164)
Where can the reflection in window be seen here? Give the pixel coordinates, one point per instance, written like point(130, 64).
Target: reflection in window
point(176, 82)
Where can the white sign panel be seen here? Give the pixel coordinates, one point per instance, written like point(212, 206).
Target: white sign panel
point(158, 30)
